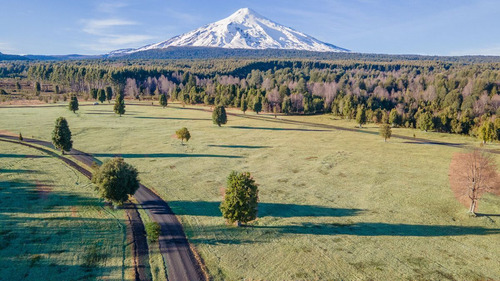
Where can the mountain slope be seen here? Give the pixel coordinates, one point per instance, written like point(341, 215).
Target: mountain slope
point(245, 29)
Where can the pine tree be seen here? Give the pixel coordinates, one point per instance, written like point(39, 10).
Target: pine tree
point(163, 100)
point(21, 137)
point(61, 136)
point(73, 104)
point(109, 93)
point(286, 105)
point(119, 107)
point(385, 131)
point(94, 93)
point(487, 132)
point(219, 116)
point(243, 104)
point(102, 95)
point(38, 88)
point(257, 105)
point(394, 118)
point(240, 199)
point(424, 121)
point(361, 116)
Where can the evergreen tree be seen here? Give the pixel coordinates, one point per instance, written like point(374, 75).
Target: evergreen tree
point(163, 100)
point(219, 115)
point(56, 90)
point(497, 128)
point(102, 95)
point(486, 132)
point(361, 116)
point(119, 107)
point(61, 136)
point(94, 93)
point(286, 105)
point(424, 121)
point(385, 131)
point(109, 93)
point(394, 118)
point(73, 104)
point(257, 105)
point(243, 104)
point(38, 88)
point(21, 137)
point(116, 180)
point(240, 198)
point(183, 134)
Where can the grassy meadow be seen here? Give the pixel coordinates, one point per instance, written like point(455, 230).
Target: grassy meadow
point(52, 225)
point(333, 204)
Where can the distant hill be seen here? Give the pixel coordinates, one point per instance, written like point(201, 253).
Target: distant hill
point(180, 53)
point(4, 57)
point(223, 53)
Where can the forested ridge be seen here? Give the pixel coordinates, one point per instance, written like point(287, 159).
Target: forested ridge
point(457, 97)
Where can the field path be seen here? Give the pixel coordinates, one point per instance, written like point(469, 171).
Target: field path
point(174, 246)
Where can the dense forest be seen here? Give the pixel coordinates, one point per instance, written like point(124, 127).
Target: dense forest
point(446, 96)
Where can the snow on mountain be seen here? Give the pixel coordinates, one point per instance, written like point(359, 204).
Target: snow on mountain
point(245, 29)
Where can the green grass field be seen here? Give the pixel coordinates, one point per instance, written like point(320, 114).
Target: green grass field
point(333, 204)
point(52, 226)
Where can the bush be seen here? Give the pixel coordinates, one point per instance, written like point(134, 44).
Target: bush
point(153, 231)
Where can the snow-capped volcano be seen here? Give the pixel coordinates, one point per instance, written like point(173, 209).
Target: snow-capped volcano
point(245, 29)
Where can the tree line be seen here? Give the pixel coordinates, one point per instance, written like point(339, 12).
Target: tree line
point(451, 97)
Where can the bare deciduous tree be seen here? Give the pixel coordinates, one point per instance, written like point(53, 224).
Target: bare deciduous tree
point(471, 175)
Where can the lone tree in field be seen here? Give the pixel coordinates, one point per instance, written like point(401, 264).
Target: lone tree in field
point(102, 95)
point(183, 134)
point(119, 107)
point(243, 104)
point(163, 100)
point(471, 175)
point(116, 180)
point(486, 132)
point(61, 136)
point(361, 116)
point(21, 137)
point(385, 131)
point(219, 116)
point(73, 104)
point(240, 199)
point(109, 93)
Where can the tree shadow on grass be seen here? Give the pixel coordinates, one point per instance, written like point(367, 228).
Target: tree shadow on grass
point(262, 233)
point(22, 156)
point(32, 197)
point(240, 146)
point(173, 118)
point(437, 143)
point(382, 229)
point(164, 155)
point(19, 171)
point(277, 129)
point(211, 209)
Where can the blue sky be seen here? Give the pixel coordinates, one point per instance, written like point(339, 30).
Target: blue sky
point(438, 27)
